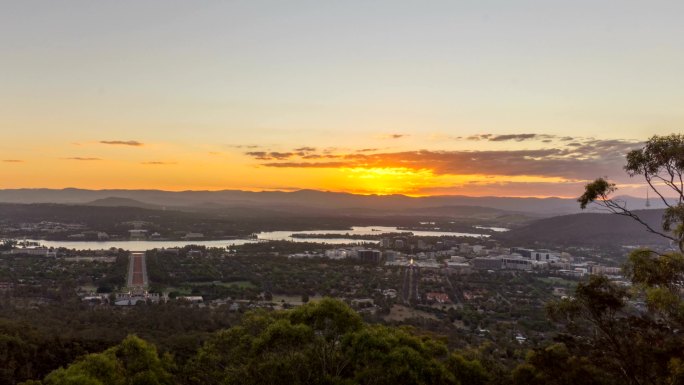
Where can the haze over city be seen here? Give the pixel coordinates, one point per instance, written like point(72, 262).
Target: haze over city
point(382, 97)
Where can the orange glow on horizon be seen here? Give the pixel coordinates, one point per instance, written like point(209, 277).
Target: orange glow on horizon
point(178, 171)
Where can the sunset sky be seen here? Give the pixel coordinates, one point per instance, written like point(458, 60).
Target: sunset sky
point(506, 98)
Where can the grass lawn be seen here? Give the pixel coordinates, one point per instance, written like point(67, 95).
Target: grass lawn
point(240, 284)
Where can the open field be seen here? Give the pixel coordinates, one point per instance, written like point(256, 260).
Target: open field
point(240, 284)
point(401, 313)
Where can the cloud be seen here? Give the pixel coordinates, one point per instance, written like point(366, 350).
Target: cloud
point(583, 162)
point(157, 163)
point(13, 161)
point(576, 161)
point(392, 136)
point(133, 143)
point(305, 149)
point(516, 137)
point(510, 137)
point(306, 164)
point(272, 155)
point(82, 158)
point(479, 137)
point(260, 155)
point(319, 156)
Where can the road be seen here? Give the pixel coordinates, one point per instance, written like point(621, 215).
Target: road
point(137, 270)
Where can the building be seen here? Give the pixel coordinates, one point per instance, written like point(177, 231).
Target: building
point(458, 267)
point(340, 253)
point(373, 256)
point(37, 251)
point(437, 297)
point(477, 249)
point(137, 234)
point(305, 255)
point(134, 296)
point(537, 255)
point(194, 253)
point(516, 263)
point(607, 270)
point(389, 293)
point(487, 263)
point(391, 255)
point(191, 298)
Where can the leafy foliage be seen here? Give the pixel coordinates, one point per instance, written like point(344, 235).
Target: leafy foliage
point(132, 362)
point(661, 163)
point(318, 343)
point(611, 338)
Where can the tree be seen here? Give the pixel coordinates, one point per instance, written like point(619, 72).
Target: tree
point(556, 365)
point(132, 362)
point(636, 345)
point(659, 277)
point(7, 244)
point(324, 342)
point(661, 163)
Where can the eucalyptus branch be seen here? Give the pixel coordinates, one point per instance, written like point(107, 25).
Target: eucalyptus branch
point(648, 180)
point(618, 209)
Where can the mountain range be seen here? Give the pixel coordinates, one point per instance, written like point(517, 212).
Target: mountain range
point(301, 200)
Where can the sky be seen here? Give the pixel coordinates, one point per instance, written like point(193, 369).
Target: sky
point(486, 97)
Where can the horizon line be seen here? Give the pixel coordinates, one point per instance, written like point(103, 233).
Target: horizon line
point(295, 190)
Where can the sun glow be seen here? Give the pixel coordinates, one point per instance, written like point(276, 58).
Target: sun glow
point(388, 180)
point(418, 182)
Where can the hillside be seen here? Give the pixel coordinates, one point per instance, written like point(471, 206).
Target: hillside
point(590, 229)
point(121, 202)
point(301, 200)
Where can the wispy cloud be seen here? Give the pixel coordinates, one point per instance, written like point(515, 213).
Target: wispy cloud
point(133, 143)
point(320, 156)
point(305, 149)
point(511, 137)
point(516, 137)
point(82, 158)
point(392, 136)
point(157, 163)
point(307, 164)
point(270, 155)
point(13, 161)
point(479, 137)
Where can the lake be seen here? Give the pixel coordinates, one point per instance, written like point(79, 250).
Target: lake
point(263, 236)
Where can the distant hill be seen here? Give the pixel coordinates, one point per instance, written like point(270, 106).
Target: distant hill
point(308, 200)
point(590, 229)
point(121, 202)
